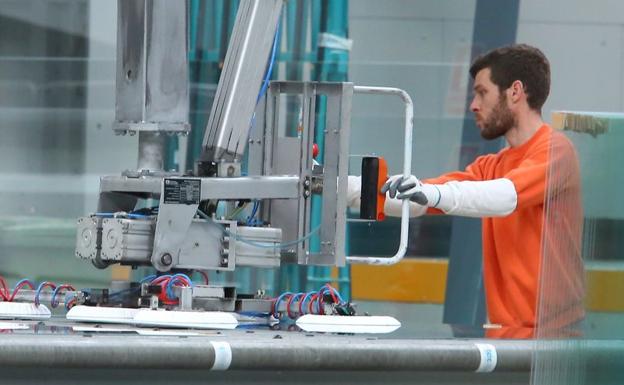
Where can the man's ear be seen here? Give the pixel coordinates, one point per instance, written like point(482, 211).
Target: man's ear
point(516, 91)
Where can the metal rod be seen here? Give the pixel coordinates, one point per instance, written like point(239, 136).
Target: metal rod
point(407, 171)
point(151, 151)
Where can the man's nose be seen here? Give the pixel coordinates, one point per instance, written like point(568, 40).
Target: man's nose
point(473, 105)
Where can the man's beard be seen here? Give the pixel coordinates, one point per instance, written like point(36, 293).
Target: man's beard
point(500, 120)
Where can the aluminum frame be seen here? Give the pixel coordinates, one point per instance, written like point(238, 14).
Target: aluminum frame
point(284, 154)
point(240, 82)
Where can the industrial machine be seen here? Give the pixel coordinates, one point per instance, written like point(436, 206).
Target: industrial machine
point(178, 222)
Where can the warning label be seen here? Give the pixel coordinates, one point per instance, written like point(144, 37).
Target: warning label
point(182, 191)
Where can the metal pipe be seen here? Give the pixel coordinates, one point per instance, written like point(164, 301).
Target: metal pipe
point(99, 351)
point(407, 171)
point(151, 151)
point(261, 351)
point(347, 354)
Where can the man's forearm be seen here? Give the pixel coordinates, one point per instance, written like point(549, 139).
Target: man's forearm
point(492, 198)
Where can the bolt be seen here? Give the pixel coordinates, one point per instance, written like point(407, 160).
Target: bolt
point(306, 193)
point(224, 261)
point(306, 182)
point(166, 259)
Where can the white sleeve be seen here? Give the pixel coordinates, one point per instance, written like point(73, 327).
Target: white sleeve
point(491, 198)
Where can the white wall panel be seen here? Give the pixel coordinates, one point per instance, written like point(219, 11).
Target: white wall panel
point(586, 64)
point(573, 11)
point(422, 47)
point(413, 9)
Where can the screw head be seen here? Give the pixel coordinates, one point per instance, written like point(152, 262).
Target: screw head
point(166, 259)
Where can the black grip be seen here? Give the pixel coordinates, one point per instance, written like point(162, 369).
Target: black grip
point(368, 192)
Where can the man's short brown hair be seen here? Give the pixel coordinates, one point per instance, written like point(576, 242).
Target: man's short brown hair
point(518, 62)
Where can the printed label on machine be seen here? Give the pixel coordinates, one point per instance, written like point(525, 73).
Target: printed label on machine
point(182, 191)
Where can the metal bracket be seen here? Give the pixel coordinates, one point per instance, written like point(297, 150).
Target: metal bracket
point(179, 200)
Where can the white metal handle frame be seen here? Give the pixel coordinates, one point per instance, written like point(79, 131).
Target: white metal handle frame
point(407, 171)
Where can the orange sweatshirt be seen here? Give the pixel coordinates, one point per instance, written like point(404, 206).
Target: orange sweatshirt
point(543, 169)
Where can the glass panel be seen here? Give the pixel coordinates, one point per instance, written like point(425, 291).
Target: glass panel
point(575, 299)
point(51, 103)
point(422, 47)
point(563, 356)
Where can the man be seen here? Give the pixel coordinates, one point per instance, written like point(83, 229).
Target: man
point(512, 191)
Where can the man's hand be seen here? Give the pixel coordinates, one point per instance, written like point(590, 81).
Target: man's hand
point(413, 189)
point(398, 183)
point(392, 207)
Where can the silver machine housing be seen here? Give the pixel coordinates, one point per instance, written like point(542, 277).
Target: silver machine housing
point(152, 100)
point(205, 247)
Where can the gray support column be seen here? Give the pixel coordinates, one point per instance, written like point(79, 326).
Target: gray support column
point(495, 24)
point(151, 151)
point(152, 87)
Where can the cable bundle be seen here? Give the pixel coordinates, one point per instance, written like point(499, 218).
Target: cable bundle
point(307, 303)
point(9, 296)
point(144, 213)
point(167, 282)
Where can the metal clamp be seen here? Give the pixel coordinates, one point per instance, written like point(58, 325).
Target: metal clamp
point(407, 171)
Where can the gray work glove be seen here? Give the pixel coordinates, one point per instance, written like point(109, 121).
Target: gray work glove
point(413, 189)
